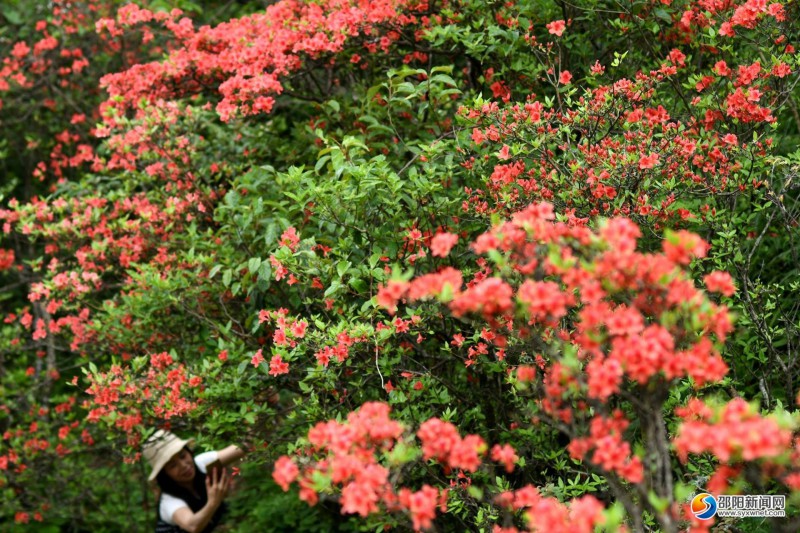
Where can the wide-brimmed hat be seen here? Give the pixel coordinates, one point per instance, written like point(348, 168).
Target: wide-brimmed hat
point(160, 448)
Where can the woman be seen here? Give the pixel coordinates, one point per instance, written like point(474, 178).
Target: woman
point(191, 496)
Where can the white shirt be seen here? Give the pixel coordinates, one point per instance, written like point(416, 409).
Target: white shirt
point(169, 503)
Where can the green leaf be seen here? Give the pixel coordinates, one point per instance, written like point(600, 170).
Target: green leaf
point(253, 264)
point(443, 78)
point(342, 268)
point(475, 492)
point(335, 285)
point(663, 15)
point(11, 15)
point(265, 272)
point(359, 285)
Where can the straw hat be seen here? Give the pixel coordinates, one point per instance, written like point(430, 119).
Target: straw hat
point(160, 448)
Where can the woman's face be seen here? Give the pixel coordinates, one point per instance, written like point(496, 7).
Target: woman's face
point(181, 467)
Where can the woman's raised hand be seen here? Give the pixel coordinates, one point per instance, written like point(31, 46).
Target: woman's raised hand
point(217, 484)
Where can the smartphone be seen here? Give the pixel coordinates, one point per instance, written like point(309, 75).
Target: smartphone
point(216, 465)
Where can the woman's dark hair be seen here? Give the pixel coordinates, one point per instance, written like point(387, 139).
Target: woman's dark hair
point(171, 487)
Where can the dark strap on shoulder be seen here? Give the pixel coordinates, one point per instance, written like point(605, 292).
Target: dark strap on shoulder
point(163, 527)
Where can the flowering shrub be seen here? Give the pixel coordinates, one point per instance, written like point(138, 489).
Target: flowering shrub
point(637, 327)
point(350, 462)
point(441, 265)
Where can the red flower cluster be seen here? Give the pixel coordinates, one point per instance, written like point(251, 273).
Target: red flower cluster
point(637, 320)
point(720, 282)
point(442, 243)
point(442, 442)
point(163, 388)
point(422, 505)
point(6, 259)
point(747, 14)
point(50, 64)
point(506, 455)
point(733, 432)
point(285, 472)
point(611, 453)
point(656, 148)
point(543, 513)
point(348, 456)
point(290, 239)
point(617, 336)
point(246, 58)
point(556, 27)
point(447, 279)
